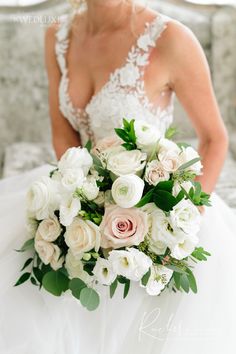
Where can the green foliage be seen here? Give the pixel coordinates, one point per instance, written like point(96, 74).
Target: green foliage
point(55, 282)
point(113, 287)
point(127, 134)
point(28, 245)
point(88, 145)
point(23, 278)
point(76, 285)
point(126, 288)
point(170, 132)
point(186, 165)
point(146, 277)
point(200, 254)
point(89, 298)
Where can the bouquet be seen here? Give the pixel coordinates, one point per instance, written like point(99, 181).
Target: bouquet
point(123, 211)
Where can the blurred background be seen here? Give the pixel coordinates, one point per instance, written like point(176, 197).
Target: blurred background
point(24, 118)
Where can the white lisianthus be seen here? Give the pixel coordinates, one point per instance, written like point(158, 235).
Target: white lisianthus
point(189, 154)
point(75, 158)
point(126, 162)
point(185, 248)
point(104, 272)
point(50, 229)
point(185, 216)
point(147, 136)
point(155, 173)
point(42, 198)
point(131, 264)
point(82, 236)
point(75, 268)
point(90, 189)
point(127, 190)
point(72, 179)
point(69, 208)
point(187, 185)
point(56, 260)
point(159, 278)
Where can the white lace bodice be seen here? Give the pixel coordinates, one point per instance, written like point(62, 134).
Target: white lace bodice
point(123, 95)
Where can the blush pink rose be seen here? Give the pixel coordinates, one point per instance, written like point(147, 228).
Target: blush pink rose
point(123, 227)
point(106, 144)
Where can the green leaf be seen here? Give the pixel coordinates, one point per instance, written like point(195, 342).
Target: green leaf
point(29, 244)
point(76, 285)
point(89, 298)
point(113, 287)
point(126, 124)
point(38, 274)
point(177, 277)
point(88, 145)
point(132, 132)
point(183, 145)
point(184, 282)
point(192, 281)
point(27, 263)
point(165, 185)
point(176, 269)
point(164, 200)
point(23, 279)
point(146, 199)
point(146, 277)
point(170, 132)
point(129, 146)
point(122, 134)
point(189, 163)
point(33, 281)
point(55, 282)
point(126, 288)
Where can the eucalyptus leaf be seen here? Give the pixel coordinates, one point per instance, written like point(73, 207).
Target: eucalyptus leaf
point(76, 285)
point(192, 281)
point(55, 282)
point(89, 298)
point(184, 282)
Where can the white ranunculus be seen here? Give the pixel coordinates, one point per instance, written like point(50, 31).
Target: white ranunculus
point(75, 268)
point(131, 264)
point(187, 185)
point(72, 179)
point(90, 189)
point(185, 248)
point(56, 260)
point(127, 190)
point(147, 136)
point(50, 229)
point(155, 173)
point(82, 236)
point(126, 162)
point(185, 216)
point(159, 278)
point(75, 158)
point(42, 198)
point(189, 154)
point(69, 208)
point(104, 272)
point(168, 155)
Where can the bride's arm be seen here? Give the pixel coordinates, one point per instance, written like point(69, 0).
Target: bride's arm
point(63, 135)
point(191, 81)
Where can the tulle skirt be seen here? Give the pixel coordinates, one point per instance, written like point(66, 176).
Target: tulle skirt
point(35, 322)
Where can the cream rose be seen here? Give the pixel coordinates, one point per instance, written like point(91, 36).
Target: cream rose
point(48, 252)
point(82, 236)
point(126, 162)
point(127, 190)
point(123, 227)
point(155, 173)
point(106, 144)
point(50, 229)
point(42, 198)
point(57, 260)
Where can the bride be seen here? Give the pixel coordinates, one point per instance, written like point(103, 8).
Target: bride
point(110, 60)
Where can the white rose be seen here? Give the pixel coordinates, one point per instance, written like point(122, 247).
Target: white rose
point(104, 272)
point(72, 179)
point(90, 189)
point(131, 264)
point(129, 74)
point(56, 260)
point(187, 185)
point(189, 154)
point(185, 248)
point(82, 236)
point(165, 145)
point(159, 278)
point(127, 190)
point(147, 136)
point(42, 198)
point(69, 208)
point(168, 155)
point(126, 162)
point(155, 173)
point(75, 268)
point(50, 229)
point(185, 216)
point(75, 158)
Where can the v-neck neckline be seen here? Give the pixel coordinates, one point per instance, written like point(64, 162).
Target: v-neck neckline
point(147, 27)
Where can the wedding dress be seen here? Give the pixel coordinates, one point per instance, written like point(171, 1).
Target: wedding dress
point(35, 322)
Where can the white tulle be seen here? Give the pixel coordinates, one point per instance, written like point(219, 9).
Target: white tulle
point(35, 322)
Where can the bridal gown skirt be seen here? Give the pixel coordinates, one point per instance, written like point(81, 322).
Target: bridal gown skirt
point(35, 322)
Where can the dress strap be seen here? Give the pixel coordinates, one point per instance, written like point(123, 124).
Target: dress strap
point(62, 42)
